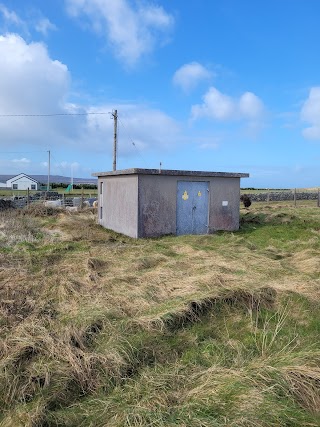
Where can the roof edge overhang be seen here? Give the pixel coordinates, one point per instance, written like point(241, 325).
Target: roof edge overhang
point(169, 172)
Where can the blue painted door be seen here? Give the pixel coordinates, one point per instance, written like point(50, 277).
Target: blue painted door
point(192, 207)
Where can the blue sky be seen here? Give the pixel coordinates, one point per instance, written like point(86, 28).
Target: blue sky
point(218, 85)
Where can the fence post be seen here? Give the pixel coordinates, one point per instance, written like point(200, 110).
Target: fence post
point(295, 197)
point(82, 195)
point(28, 197)
point(318, 197)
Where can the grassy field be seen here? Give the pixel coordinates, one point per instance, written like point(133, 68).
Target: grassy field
point(98, 329)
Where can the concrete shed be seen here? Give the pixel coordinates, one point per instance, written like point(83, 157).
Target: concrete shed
point(152, 202)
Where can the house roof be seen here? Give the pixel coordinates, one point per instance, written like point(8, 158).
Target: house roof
point(137, 171)
point(22, 175)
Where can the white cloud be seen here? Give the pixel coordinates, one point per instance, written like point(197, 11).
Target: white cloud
point(148, 129)
point(310, 113)
point(190, 75)
point(209, 146)
point(219, 106)
point(9, 16)
point(44, 25)
point(215, 105)
point(131, 31)
point(34, 83)
point(9, 19)
point(30, 80)
point(250, 106)
point(31, 83)
point(22, 160)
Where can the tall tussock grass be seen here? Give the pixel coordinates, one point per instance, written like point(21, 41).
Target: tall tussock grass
point(16, 228)
point(98, 329)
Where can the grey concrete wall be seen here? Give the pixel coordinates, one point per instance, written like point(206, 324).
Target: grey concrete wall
point(224, 209)
point(119, 202)
point(158, 201)
point(157, 205)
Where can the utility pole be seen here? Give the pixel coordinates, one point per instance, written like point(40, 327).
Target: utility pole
point(115, 117)
point(48, 185)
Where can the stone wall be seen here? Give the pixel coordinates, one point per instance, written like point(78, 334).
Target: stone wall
point(5, 204)
point(277, 196)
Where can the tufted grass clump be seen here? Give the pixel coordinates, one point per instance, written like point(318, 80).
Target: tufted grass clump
point(16, 228)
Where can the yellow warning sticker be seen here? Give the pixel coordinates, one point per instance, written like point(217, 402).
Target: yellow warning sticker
point(199, 193)
point(185, 195)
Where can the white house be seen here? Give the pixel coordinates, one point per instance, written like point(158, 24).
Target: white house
point(22, 182)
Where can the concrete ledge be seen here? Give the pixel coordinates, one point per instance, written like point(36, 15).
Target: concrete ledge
point(137, 171)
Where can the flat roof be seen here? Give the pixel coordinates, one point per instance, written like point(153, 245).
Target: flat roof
point(170, 172)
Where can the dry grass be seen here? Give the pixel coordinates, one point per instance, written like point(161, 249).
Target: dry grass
point(306, 261)
point(100, 329)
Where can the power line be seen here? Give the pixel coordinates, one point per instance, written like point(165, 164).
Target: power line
point(53, 114)
point(23, 152)
point(132, 142)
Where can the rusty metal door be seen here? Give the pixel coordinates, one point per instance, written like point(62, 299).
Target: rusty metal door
point(192, 207)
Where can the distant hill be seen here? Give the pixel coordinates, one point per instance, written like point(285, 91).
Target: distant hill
point(54, 179)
